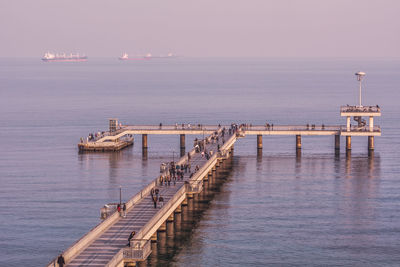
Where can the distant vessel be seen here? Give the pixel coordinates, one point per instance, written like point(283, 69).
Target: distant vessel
point(170, 55)
point(49, 57)
point(125, 56)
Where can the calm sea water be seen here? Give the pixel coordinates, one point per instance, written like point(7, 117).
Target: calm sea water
point(278, 209)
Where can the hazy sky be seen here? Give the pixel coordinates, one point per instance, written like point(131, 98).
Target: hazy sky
point(202, 28)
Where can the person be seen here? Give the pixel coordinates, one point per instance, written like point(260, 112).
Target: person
point(161, 199)
point(60, 261)
point(124, 209)
point(119, 209)
point(155, 202)
point(130, 238)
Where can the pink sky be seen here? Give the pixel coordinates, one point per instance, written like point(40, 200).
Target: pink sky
point(202, 28)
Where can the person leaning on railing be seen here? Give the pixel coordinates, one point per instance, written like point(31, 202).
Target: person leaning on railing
point(130, 238)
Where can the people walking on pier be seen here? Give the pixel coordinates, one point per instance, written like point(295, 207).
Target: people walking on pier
point(160, 180)
point(160, 125)
point(157, 191)
point(161, 200)
point(124, 209)
point(130, 238)
point(61, 260)
point(188, 156)
point(169, 180)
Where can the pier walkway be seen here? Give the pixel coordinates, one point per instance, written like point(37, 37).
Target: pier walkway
point(106, 244)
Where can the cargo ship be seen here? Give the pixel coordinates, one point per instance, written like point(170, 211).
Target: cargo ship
point(125, 56)
point(50, 57)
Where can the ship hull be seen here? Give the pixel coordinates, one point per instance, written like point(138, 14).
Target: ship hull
point(137, 58)
point(65, 59)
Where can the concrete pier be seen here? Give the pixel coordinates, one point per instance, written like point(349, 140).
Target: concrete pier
point(259, 141)
point(348, 143)
point(371, 143)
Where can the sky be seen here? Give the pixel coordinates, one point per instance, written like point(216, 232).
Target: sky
point(202, 28)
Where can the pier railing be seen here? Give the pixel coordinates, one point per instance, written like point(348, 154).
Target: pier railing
point(362, 109)
point(355, 128)
point(139, 250)
point(194, 187)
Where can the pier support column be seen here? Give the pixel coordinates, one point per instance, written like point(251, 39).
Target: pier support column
point(371, 123)
point(259, 141)
point(178, 209)
point(171, 218)
point(348, 142)
point(184, 202)
point(371, 143)
point(182, 141)
point(154, 238)
point(348, 123)
point(163, 227)
point(182, 145)
point(337, 142)
point(144, 141)
point(298, 141)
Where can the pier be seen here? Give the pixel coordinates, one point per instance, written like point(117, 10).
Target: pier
point(107, 243)
point(119, 137)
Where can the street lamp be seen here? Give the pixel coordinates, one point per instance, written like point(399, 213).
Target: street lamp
point(360, 75)
point(120, 195)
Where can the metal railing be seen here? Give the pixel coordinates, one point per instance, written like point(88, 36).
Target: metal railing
point(362, 109)
point(194, 187)
point(354, 128)
point(139, 250)
point(106, 211)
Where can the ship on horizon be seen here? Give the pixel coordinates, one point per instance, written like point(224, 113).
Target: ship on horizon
point(125, 56)
point(50, 57)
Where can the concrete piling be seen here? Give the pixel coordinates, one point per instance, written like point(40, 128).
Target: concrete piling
point(259, 141)
point(337, 142)
point(144, 141)
point(298, 141)
point(371, 143)
point(348, 142)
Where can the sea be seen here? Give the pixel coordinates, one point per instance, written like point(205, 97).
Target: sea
point(273, 208)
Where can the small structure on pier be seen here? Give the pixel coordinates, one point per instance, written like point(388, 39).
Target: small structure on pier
point(358, 112)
